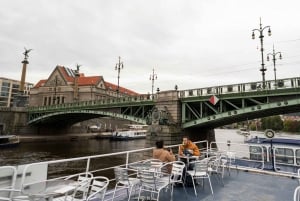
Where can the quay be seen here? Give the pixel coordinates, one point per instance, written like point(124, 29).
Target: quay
point(65, 137)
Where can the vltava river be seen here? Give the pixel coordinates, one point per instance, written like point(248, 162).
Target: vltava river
point(44, 151)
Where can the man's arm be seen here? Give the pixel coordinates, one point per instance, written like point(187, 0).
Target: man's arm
point(180, 151)
point(196, 150)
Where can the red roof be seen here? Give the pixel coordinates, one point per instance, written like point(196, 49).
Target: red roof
point(69, 76)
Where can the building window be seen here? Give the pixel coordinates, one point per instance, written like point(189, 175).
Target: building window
point(45, 101)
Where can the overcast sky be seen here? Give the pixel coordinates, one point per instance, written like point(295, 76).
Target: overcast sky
point(189, 43)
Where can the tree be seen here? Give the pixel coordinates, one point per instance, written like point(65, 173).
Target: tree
point(273, 122)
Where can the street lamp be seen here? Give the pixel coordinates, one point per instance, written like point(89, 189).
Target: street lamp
point(274, 62)
point(118, 67)
point(261, 36)
point(153, 77)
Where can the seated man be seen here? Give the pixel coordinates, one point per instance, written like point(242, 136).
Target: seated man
point(188, 148)
point(163, 154)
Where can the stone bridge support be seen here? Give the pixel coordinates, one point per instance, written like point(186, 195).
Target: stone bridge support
point(172, 132)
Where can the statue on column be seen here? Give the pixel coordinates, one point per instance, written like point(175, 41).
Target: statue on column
point(26, 53)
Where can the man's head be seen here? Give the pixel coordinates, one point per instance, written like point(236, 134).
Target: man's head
point(159, 144)
point(185, 140)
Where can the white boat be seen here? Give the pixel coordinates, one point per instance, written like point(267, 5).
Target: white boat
point(277, 153)
point(243, 131)
point(9, 141)
point(133, 132)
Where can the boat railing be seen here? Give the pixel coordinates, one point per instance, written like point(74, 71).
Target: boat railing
point(95, 164)
point(248, 158)
point(285, 157)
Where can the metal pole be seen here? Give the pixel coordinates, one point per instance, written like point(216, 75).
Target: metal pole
point(118, 67)
point(153, 77)
point(274, 63)
point(261, 36)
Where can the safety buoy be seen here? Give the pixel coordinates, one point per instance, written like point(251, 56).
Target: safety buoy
point(269, 133)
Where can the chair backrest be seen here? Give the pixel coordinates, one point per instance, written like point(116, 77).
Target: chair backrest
point(147, 178)
point(121, 175)
point(298, 176)
point(98, 188)
point(215, 163)
point(297, 194)
point(9, 175)
point(201, 166)
point(154, 164)
point(177, 171)
point(84, 181)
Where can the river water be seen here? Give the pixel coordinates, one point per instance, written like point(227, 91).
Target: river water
point(43, 151)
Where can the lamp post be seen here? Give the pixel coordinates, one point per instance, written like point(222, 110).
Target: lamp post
point(274, 62)
point(118, 67)
point(153, 77)
point(261, 36)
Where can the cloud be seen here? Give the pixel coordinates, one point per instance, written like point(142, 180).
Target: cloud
point(189, 43)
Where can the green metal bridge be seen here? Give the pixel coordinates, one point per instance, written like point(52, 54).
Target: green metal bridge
point(202, 107)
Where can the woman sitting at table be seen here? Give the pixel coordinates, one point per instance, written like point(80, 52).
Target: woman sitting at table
point(163, 154)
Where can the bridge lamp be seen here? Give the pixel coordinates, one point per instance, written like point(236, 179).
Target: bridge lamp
point(118, 67)
point(261, 36)
point(274, 54)
point(153, 77)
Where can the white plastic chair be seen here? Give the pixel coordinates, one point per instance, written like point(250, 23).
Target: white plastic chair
point(124, 181)
point(215, 168)
point(298, 173)
point(297, 194)
point(176, 176)
point(227, 159)
point(9, 192)
point(200, 172)
point(151, 182)
point(81, 191)
point(97, 189)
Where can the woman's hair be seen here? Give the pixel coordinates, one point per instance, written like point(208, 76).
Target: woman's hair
point(159, 144)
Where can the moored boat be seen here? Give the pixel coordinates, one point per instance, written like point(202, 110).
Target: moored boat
point(134, 132)
point(243, 131)
point(9, 141)
point(278, 154)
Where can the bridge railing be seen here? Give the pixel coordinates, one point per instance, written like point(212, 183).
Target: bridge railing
point(242, 87)
point(107, 101)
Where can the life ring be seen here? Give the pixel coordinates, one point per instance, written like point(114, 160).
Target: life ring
point(269, 133)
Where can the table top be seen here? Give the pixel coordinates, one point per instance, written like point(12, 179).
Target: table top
point(188, 157)
point(49, 188)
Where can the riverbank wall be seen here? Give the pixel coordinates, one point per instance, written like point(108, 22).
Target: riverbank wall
point(66, 137)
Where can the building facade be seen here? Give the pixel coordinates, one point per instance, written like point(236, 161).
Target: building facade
point(9, 90)
point(65, 85)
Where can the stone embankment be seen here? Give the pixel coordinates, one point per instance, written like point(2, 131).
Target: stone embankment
point(66, 137)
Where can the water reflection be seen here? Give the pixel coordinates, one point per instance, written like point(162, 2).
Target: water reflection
point(43, 151)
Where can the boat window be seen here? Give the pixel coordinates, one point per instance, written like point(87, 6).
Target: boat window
point(256, 152)
point(284, 155)
point(298, 156)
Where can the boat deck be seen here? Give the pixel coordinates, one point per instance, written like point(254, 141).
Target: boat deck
point(239, 186)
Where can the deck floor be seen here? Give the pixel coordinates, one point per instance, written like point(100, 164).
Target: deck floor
point(239, 186)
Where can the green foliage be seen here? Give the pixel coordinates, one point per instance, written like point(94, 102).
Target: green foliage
point(291, 126)
point(273, 122)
